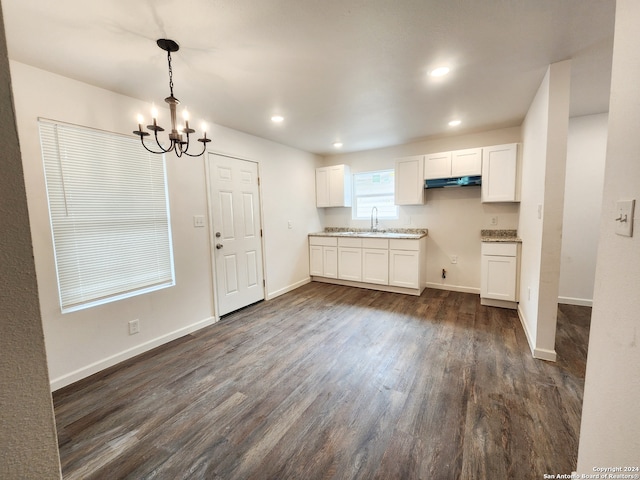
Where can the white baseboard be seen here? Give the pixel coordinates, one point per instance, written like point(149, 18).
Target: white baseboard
point(453, 288)
point(100, 365)
point(544, 354)
point(581, 302)
point(289, 288)
point(539, 353)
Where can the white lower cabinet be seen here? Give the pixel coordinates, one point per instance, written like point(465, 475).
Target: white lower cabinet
point(375, 261)
point(499, 270)
point(397, 265)
point(350, 263)
point(323, 257)
point(404, 263)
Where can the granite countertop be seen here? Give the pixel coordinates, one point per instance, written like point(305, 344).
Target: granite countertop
point(401, 233)
point(500, 236)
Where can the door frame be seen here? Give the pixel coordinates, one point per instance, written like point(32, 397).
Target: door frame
point(212, 238)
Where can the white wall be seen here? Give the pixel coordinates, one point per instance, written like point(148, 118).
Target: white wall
point(540, 223)
point(81, 343)
point(586, 152)
point(610, 414)
point(454, 216)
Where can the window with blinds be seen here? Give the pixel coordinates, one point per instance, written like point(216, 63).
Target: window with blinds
point(109, 212)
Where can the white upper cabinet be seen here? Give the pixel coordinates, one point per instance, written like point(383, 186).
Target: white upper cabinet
point(437, 165)
point(409, 182)
point(499, 173)
point(333, 186)
point(459, 163)
point(466, 162)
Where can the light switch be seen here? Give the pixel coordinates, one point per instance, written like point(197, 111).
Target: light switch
point(198, 221)
point(624, 217)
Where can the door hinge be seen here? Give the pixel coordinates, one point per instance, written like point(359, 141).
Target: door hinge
point(264, 283)
point(258, 181)
point(261, 232)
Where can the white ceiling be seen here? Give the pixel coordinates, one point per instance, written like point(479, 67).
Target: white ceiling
point(348, 70)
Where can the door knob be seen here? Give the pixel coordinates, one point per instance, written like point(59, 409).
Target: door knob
point(218, 246)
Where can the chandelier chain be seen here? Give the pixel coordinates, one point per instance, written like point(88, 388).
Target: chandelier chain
point(170, 73)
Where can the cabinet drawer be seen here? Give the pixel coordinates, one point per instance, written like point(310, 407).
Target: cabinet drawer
point(396, 244)
point(327, 241)
point(381, 243)
point(350, 242)
point(500, 249)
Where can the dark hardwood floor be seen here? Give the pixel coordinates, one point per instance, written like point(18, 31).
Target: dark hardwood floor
point(332, 382)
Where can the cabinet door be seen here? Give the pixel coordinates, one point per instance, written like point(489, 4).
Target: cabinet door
point(466, 162)
point(498, 277)
point(437, 165)
point(322, 187)
point(409, 181)
point(350, 263)
point(339, 186)
point(316, 259)
point(499, 173)
point(404, 268)
point(375, 266)
point(330, 262)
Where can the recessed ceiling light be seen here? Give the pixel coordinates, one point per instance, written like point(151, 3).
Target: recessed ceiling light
point(439, 72)
point(277, 119)
point(337, 144)
point(455, 123)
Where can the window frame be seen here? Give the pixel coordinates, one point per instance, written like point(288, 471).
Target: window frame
point(381, 209)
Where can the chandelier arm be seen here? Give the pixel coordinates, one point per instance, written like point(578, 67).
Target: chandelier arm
point(148, 149)
point(204, 148)
point(165, 150)
point(186, 145)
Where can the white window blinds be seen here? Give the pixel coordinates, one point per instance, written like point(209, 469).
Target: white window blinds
point(109, 215)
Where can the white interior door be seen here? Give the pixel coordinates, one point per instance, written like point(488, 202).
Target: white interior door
point(237, 245)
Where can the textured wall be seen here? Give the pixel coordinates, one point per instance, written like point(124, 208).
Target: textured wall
point(27, 428)
point(610, 430)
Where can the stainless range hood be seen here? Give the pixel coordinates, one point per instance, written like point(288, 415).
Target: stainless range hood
point(453, 182)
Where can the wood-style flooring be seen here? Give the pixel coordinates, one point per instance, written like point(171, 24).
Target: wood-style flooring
point(333, 382)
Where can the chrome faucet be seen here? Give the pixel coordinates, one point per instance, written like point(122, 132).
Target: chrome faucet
point(374, 228)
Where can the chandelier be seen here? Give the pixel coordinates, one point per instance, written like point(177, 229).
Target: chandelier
point(179, 136)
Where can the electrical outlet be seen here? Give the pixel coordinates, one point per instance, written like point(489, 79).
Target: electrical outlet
point(454, 259)
point(134, 326)
point(494, 220)
point(289, 225)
